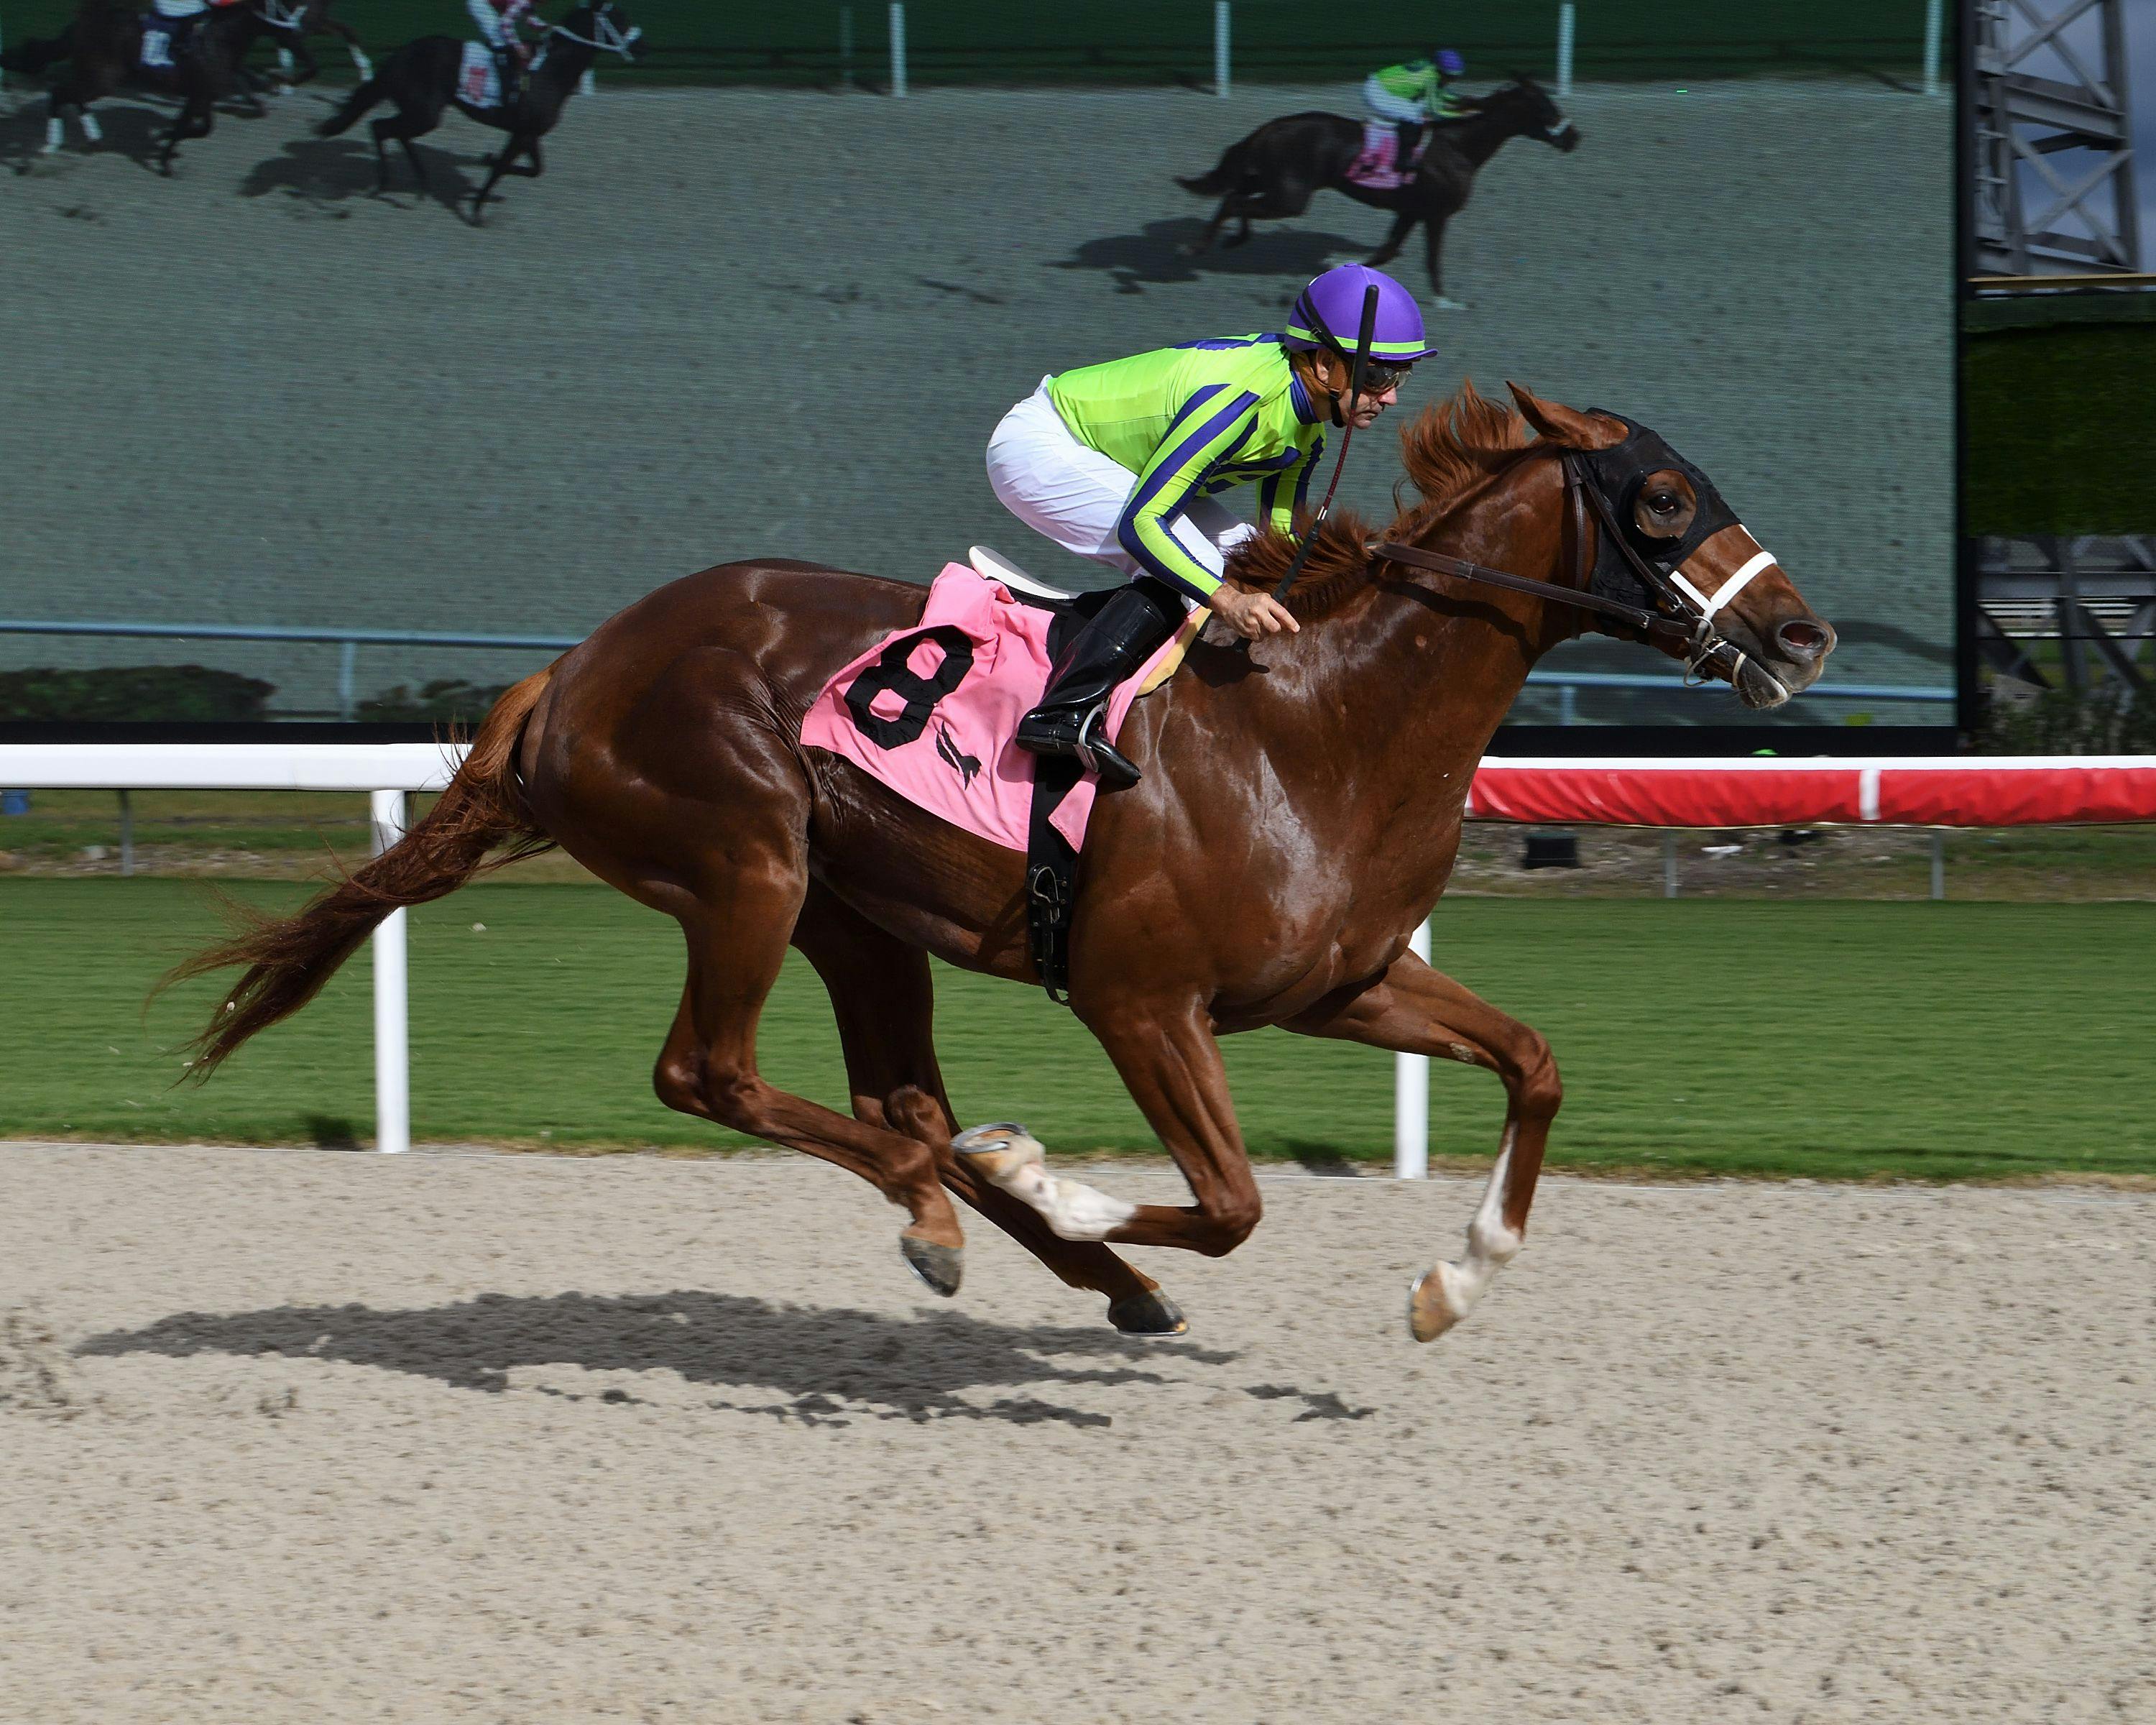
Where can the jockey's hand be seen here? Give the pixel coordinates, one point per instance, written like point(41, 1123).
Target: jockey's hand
point(1252, 615)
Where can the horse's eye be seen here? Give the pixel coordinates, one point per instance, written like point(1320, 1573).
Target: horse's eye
point(1662, 503)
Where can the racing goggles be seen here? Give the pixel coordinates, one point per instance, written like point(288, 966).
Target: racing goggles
point(1377, 378)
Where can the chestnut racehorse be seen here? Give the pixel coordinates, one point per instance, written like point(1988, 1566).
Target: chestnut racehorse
point(664, 754)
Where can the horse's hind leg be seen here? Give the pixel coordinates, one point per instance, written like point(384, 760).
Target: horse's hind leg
point(1404, 223)
point(404, 126)
point(1413, 1010)
point(884, 999)
point(738, 935)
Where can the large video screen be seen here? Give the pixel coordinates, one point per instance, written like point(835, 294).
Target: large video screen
point(290, 433)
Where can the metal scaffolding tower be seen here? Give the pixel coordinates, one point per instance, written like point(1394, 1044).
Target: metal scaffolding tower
point(2051, 82)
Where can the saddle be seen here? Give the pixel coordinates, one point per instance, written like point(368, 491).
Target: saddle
point(1377, 167)
point(930, 712)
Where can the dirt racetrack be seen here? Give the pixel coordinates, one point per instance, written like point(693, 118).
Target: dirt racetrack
point(297, 1435)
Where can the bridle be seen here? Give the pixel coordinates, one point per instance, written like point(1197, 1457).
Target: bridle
point(1681, 617)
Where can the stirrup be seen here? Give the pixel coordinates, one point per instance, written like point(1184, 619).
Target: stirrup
point(1115, 769)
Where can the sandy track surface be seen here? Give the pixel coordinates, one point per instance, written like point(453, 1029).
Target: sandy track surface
point(294, 1434)
point(738, 323)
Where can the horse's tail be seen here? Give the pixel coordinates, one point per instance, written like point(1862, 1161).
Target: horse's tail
point(1233, 168)
point(33, 57)
point(480, 823)
point(370, 94)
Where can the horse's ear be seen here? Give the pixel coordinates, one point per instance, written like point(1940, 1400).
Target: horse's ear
point(1565, 425)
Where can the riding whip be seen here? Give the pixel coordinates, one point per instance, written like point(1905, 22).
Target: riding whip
point(1347, 436)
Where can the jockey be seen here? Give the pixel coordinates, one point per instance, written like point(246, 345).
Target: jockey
point(1416, 91)
point(498, 21)
point(1121, 463)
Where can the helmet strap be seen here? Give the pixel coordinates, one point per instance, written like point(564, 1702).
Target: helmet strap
point(1354, 362)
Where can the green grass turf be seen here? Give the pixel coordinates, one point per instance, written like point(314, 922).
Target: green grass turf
point(1831, 1039)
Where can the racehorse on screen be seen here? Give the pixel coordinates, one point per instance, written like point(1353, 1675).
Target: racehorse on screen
point(424, 77)
point(1271, 174)
point(664, 754)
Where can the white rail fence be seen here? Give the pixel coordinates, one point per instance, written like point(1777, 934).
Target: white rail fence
point(1928, 791)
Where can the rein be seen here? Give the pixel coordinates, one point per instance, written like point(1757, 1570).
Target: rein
point(1683, 619)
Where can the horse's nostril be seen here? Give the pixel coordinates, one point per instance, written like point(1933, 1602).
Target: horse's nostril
point(1804, 640)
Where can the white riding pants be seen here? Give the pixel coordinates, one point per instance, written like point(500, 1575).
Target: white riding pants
point(1074, 495)
point(1383, 103)
point(487, 21)
point(179, 9)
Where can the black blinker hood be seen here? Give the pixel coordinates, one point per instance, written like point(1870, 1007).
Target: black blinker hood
point(1618, 472)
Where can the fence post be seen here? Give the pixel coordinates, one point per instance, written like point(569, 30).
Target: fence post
point(897, 49)
point(127, 834)
point(1934, 31)
point(392, 1054)
point(1411, 1096)
point(1566, 19)
point(1222, 16)
point(347, 669)
point(1669, 864)
point(1939, 863)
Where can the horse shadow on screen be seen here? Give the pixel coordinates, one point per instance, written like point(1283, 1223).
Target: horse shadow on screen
point(1161, 255)
point(830, 1366)
point(130, 129)
point(331, 171)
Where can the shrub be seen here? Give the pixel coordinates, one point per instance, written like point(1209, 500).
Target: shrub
point(2103, 720)
point(169, 694)
point(449, 700)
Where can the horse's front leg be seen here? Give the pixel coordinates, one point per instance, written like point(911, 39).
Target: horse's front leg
point(509, 151)
point(1434, 251)
point(1413, 1010)
point(1171, 1065)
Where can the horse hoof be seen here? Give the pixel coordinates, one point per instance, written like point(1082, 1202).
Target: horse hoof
point(999, 1150)
point(1445, 305)
point(941, 1267)
point(1150, 1313)
point(1430, 1310)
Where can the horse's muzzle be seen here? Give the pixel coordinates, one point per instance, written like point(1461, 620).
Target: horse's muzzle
point(1786, 665)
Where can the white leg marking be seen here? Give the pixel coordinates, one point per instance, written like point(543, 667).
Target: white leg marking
point(286, 62)
point(1012, 1159)
point(1491, 1245)
point(91, 129)
point(364, 66)
point(55, 136)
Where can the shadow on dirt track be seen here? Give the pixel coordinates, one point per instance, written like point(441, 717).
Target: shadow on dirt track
point(332, 170)
point(831, 1363)
point(130, 129)
point(1161, 254)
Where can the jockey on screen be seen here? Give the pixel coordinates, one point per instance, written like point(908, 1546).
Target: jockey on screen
point(1120, 463)
point(177, 19)
point(498, 21)
point(1416, 92)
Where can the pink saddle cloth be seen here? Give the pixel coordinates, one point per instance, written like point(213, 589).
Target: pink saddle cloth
point(930, 709)
point(1377, 167)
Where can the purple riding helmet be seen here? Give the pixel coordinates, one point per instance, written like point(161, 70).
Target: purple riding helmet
point(1328, 314)
point(1450, 61)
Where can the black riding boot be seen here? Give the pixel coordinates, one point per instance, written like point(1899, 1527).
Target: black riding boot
point(1409, 131)
point(1123, 634)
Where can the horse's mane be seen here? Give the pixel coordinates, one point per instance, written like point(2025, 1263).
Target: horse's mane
point(1447, 449)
